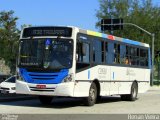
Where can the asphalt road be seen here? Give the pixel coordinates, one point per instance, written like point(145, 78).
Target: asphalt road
point(147, 103)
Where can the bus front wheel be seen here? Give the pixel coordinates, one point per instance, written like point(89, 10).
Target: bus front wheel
point(91, 99)
point(45, 100)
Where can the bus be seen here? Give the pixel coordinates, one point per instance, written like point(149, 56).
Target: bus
point(69, 61)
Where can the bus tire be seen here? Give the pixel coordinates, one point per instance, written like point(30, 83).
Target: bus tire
point(45, 100)
point(133, 95)
point(91, 99)
point(134, 92)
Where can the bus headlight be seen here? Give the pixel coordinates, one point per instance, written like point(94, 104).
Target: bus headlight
point(69, 78)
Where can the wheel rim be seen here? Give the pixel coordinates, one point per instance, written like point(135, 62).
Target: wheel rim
point(134, 92)
point(92, 94)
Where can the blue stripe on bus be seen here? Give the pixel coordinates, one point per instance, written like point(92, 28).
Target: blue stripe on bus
point(88, 74)
point(104, 35)
point(113, 76)
point(131, 42)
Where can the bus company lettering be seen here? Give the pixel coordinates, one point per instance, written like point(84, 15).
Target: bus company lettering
point(130, 72)
point(102, 71)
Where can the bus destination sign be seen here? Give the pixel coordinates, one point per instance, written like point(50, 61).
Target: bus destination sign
point(47, 31)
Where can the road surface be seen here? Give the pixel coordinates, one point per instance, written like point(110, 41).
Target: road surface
point(147, 103)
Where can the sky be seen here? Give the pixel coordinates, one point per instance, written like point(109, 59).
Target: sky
point(80, 13)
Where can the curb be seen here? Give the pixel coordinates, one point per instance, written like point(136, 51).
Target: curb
point(154, 88)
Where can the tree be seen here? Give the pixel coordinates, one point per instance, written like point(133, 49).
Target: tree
point(143, 13)
point(9, 35)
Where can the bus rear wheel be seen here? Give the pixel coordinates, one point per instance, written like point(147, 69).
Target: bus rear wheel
point(133, 95)
point(45, 100)
point(91, 99)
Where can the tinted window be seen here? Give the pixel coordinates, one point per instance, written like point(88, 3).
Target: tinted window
point(143, 57)
point(106, 50)
point(97, 51)
point(122, 54)
point(11, 79)
point(116, 53)
point(83, 51)
point(81, 48)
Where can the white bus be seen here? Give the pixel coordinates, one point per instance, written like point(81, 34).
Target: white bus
point(69, 61)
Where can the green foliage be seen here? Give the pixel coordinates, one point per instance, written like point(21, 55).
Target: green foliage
point(142, 13)
point(9, 35)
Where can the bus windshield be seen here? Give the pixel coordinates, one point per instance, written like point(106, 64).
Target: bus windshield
point(46, 53)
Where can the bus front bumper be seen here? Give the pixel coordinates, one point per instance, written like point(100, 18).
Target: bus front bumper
point(62, 89)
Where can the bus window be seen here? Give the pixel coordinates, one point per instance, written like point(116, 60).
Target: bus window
point(134, 56)
point(137, 56)
point(81, 56)
point(83, 59)
point(86, 55)
point(128, 54)
point(122, 54)
point(102, 49)
point(143, 57)
point(110, 53)
point(106, 51)
point(116, 53)
point(97, 53)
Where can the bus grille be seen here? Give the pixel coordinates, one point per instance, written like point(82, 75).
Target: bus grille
point(43, 76)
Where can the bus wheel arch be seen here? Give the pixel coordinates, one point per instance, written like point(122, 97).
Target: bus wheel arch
point(94, 91)
point(96, 81)
point(133, 92)
point(136, 82)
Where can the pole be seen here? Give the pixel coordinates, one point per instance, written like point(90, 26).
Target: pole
point(152, 78)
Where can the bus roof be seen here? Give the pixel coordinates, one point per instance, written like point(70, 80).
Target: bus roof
point(111, 37)
point(102, 35)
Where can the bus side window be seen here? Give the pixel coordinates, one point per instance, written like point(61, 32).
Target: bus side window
point(78, 52)
point(134, 56)
point(128, 55)
point(106, 51)
point(123, 54)
point(102, 50)
point(116, 53)
point(110, 53)
point(143, 57)
point(83, 52)
point(86, 56)
point(97, 51)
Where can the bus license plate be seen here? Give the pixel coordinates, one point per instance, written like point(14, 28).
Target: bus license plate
point(41, 86)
